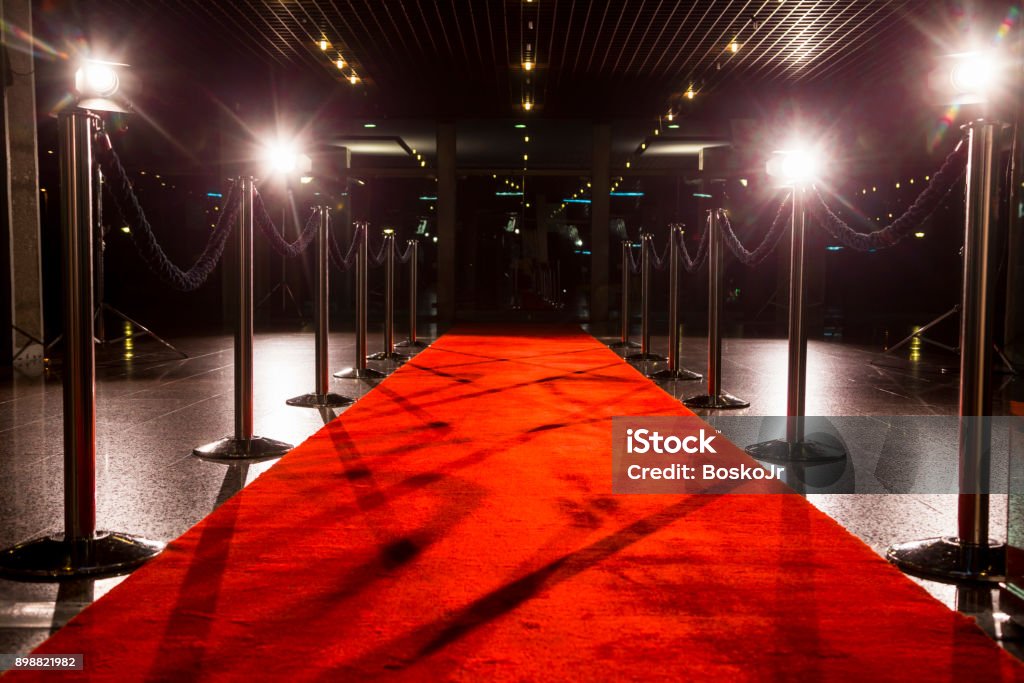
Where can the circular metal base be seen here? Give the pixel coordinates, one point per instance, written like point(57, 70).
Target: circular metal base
point(681, 374)
point(418, 344)
point(51, 558)
point(721, 402)
point(641, 357)
point(948, 560)
point(624, 345)
point(393, 357)
point(320, 401)
point(781, 450)
point(232, 449)
point(359, 373)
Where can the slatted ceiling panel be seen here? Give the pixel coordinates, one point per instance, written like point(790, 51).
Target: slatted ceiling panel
point(592, 55)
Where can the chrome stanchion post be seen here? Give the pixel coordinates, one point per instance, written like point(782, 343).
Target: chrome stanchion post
point(624, 341)
point(414, 269)
point(322, 397)
point(244, 444)
point(359, 370)
point(795, 447)
point(646, 253)
point(674, 371)
point(971, 556)
point(82, 550)
point(715, 398)
point(390, 274)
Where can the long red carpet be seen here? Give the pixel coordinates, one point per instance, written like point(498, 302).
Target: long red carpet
point(457, 523)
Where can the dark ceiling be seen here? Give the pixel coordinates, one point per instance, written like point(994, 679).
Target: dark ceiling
point(857, 65)
point(464, 57)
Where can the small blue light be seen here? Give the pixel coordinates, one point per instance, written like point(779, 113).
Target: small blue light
point(627, 194)
point(428, 198)
point(218, 195)
point(702, 195)
point(585, 252)
point(834, 247)
point(576, 201)
point(508, 194)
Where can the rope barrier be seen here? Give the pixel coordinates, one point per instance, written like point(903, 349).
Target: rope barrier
point(659, 262)
point(344, 263)
point(277, 242)
point(691, 264)
point(634, 264)
point(126, 202)
point(767, 246)
point(927, 202)
point(404, 256)
point(378, 258)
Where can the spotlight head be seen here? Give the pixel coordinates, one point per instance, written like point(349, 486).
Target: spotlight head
point(96, 83)
point(96, 79)
point(974, 73)
point(284, 158)
point(969, 77)
point(797, 166)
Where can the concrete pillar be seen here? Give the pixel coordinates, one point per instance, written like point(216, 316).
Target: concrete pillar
point(22, 181)
point(600, 215)
point(446, 200)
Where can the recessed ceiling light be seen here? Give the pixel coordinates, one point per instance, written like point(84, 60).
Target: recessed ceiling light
point(369, 125)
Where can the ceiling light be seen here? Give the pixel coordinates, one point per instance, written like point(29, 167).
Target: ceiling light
point(527, 65)
point(340, 63)
point(527, 105)
point(323, 44)
point(690, 93)
point(520, 125)
point(353, 79)
point(734, 47)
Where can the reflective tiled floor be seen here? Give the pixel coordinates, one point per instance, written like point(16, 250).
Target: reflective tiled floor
point(153, 409)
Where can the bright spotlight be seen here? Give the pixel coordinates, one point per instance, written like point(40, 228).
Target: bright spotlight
point(968, 77)
point(285, 159)
point(96, 79)
point(975, 73)
point(795, 166)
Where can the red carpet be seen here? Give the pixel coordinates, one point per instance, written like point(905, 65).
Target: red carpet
point(457, 523)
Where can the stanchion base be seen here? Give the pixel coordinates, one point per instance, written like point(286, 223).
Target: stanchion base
point(721, 402)
point(233, 449)
point(950, 561)
point(681, 374)
point(384, 355)
point(643, 357)
point(51, 558)
point(359, 373)
point(413, 344)
point(781, 450)
point(320, 401)
point(628, 344)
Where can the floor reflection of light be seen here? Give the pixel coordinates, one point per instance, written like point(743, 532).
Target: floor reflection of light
point(915, 345)
point(129, 343)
